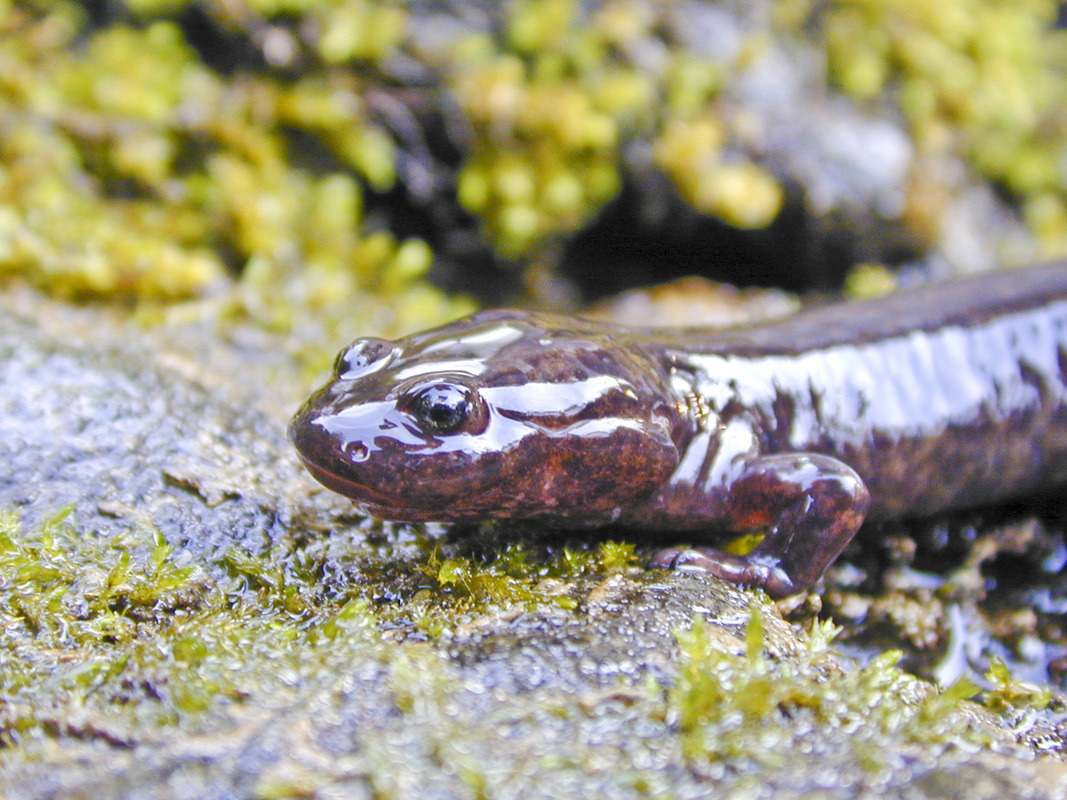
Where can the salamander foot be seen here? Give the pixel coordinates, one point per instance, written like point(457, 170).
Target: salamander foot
point(742, 570)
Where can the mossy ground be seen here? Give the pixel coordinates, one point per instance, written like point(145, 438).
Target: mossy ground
point(121, 642)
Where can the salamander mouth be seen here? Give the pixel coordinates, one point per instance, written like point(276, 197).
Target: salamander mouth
point(313, 450)
point(368, 501)
point(348, 487)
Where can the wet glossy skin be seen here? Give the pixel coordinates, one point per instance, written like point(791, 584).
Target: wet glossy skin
point(912, 404)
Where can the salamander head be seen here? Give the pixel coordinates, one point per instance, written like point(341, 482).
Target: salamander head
point(501, 414)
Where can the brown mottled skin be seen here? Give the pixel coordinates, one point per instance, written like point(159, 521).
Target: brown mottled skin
point(926, 400)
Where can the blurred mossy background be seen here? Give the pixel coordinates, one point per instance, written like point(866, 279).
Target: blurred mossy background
point(287, 159)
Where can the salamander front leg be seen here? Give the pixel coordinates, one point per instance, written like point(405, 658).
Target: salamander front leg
point(811, 506)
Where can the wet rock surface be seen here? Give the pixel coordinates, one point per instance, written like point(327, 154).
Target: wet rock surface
point(116, 429)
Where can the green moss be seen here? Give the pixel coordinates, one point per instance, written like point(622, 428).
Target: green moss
point(750, 709)
point(132, 169)
point(86, 618)
point(462, 589)
point(870, 280)
point(62, 588)
point(124, 640)
point(128, 632)
point(1008, 692)
point(982, 79)
point(616, 556)
point(553, 102)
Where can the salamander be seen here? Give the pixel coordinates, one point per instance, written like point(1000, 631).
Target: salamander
point(926, 400)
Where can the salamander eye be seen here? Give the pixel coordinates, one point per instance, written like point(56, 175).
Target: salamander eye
point(353, 361)
point(444, 408)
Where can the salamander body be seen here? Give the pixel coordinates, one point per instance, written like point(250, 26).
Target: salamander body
point(919, 402)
